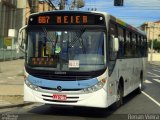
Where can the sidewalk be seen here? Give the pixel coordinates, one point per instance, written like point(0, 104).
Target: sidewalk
point(11, 83)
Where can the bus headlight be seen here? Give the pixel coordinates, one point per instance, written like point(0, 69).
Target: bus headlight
point(96, 87)
point(30, 85)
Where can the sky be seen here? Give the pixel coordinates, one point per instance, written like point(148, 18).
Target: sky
point(134, 12)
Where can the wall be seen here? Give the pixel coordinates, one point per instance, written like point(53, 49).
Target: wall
point(11, 17)
point(155, 57)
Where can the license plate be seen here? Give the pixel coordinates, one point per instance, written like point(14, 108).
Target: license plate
point(59, 97)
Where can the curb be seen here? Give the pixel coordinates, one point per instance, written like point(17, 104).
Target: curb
point(154, 63)
point(16, 105)
point(20, 104)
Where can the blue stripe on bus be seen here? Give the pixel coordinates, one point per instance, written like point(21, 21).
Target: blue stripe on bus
point(64, 84)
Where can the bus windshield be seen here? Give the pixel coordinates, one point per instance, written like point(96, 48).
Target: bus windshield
point(79, 50)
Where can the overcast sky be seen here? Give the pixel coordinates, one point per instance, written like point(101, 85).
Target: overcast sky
point(134, 12)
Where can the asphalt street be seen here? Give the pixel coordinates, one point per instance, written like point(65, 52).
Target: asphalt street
point(136, 106)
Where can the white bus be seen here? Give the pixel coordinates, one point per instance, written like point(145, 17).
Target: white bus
point(79, 58)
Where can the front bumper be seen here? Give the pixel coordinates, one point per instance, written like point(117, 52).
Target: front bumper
point(95, 99)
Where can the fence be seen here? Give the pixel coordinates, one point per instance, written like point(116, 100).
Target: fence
point(155, 57)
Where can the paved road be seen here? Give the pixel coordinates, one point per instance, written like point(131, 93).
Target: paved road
point(147, 103)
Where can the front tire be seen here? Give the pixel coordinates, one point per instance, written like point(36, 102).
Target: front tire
point(139, 89)
point(119, 98)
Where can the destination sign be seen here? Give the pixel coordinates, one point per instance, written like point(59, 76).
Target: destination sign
point(66, 19)
point(43, 61)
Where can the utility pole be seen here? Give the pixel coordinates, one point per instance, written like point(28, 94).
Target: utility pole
point(0, 68)
point(151, 55)
point(62, 4)
point(51, 4)
point(33, 4)
point(77, 4)
point(73, 5)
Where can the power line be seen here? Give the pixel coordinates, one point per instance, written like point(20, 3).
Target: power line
point(124, 8)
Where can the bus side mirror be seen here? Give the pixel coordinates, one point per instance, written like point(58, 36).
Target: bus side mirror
point(21, 39)
point(115, 44)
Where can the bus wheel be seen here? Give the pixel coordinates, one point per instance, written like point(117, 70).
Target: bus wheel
point(139, 90)
point(119, 98)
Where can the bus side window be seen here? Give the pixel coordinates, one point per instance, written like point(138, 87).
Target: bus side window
point(145, 47)
point(121, 42)
point(139, 46)
point(128, 44)
point(112, 55)
point(134, 45)
point(136, 38)
point(112, 34)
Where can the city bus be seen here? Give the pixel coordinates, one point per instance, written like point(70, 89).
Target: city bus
point(82, 58)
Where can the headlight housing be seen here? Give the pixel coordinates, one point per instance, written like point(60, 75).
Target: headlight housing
point(30, 85)
point(96, 87)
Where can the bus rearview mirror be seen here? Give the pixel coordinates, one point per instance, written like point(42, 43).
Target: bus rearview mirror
point(21, 40)
point(115, 44)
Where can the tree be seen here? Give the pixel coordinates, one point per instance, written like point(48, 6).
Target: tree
point(77, 4)
point(156, 45)
point(33, 4)
point(80, 3)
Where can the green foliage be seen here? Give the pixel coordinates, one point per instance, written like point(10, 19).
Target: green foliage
point(156, 45)
point(80, 3)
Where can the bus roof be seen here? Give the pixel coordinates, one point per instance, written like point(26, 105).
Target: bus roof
point(117, 20)
point(59, 11)
point(124, 24)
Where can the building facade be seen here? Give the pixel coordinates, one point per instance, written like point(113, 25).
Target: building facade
point(13, 15)
point(152, 29)
point(7, 16)
point(11, 20)
point(37, 6)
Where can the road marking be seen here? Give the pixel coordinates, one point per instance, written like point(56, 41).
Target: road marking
point(155, 70)
point(157, 80)
point(147, 81)
point(10, 77)
point(151, 98)
point(155, 75)
point(152, 73)
point(13, 77)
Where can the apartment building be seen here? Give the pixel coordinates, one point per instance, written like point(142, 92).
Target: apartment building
point(152, 29)
point(11, 20)
point(37, 6)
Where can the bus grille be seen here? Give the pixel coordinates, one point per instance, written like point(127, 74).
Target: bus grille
point(59, 77)
point(69, 76)
point(55, 89)
point(69, 99)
